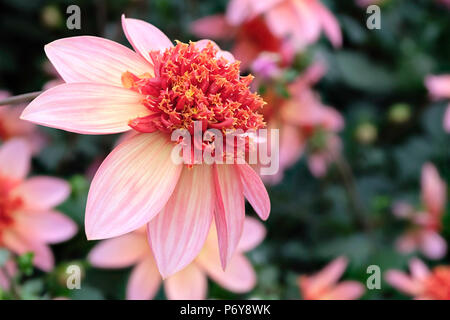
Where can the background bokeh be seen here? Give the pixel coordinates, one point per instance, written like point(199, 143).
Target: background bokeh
point(376, 80)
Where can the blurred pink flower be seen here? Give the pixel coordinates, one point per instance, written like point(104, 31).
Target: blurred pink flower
point(424, 234)
point(304, 122)
point(439, 88)
point(299, 21)
point(251, 38)
point(190, 282)
point(12, 127)
point(422, 284)
point(111, 89)
point(324, 284)
point(282, 26)
point(28, 221)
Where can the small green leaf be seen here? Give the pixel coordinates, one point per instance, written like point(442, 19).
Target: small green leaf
point(25, 263)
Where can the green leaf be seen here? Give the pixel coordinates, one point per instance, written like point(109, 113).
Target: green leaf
point(25, 263)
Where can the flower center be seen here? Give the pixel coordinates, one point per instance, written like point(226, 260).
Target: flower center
point(437, 286)
point(193, 84)
point(8, 204)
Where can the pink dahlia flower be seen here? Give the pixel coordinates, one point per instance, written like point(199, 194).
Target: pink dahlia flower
point(154, 91)
point(439, 88)
point(28, 222)
point(189, 283)
point(12, 127)
point(324, 284)
point(422, 283)
point(302, 119)
point(427, 223)
point(282, 26)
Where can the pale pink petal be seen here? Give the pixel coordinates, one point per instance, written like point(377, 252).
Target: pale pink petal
point(438, 86)
point(6, 273)
point(346, 290)
point(329, 23)
point(120, 252)
point(93, 59)
point(329, 275)
point(145, 37)
point(263, 6)
point(292, 145)
point(229, 210)
point(432, 245)
point(187, 284)
point(212, 27)
point(87, 108)
point(238, 11)
point(238, 276)
point(43, 256)
point(15, 159)
point(308, 25)
point(447, 120)
point(46, 227)
point(178, 232)
point(254, 190)
point(407, 242)
point(252, 235)
point(434, 189)
point(332, 119)
point(283, 21)
point(144, 280)
point(318, 164)
point(419, 270)
point(403, 282)
point(42, 193)
point(131, 186)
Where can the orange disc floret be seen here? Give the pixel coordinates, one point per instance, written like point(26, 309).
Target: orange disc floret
point(437, 285)
point(195, 84)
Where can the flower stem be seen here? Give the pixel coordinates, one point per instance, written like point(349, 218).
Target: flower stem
point(21, 98)
point(354, 199)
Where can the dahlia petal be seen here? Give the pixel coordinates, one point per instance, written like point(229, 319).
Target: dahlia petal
point(145, 37)
point(346, 290)
point(407, 242)
point(438, 86)
point(131, 186)
point(212, 27)
point(239, 275)
point(46, 227)
point(43, 193)
point(238, 11)
point(94, 59)
point(254, 190)
point(43, 256)
point(434, 189)
point(15, 159)
point(329, 275)
point(229, 210)
point(418, 269)
point(144, 280)
point(329, 23)
point(401, 281)
point(87, 108)
point(187, 284)
point(252, 235)
point(447, 120)
point(178, 232)
point(6, 273)
point(120, 252)
point(433, 245)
